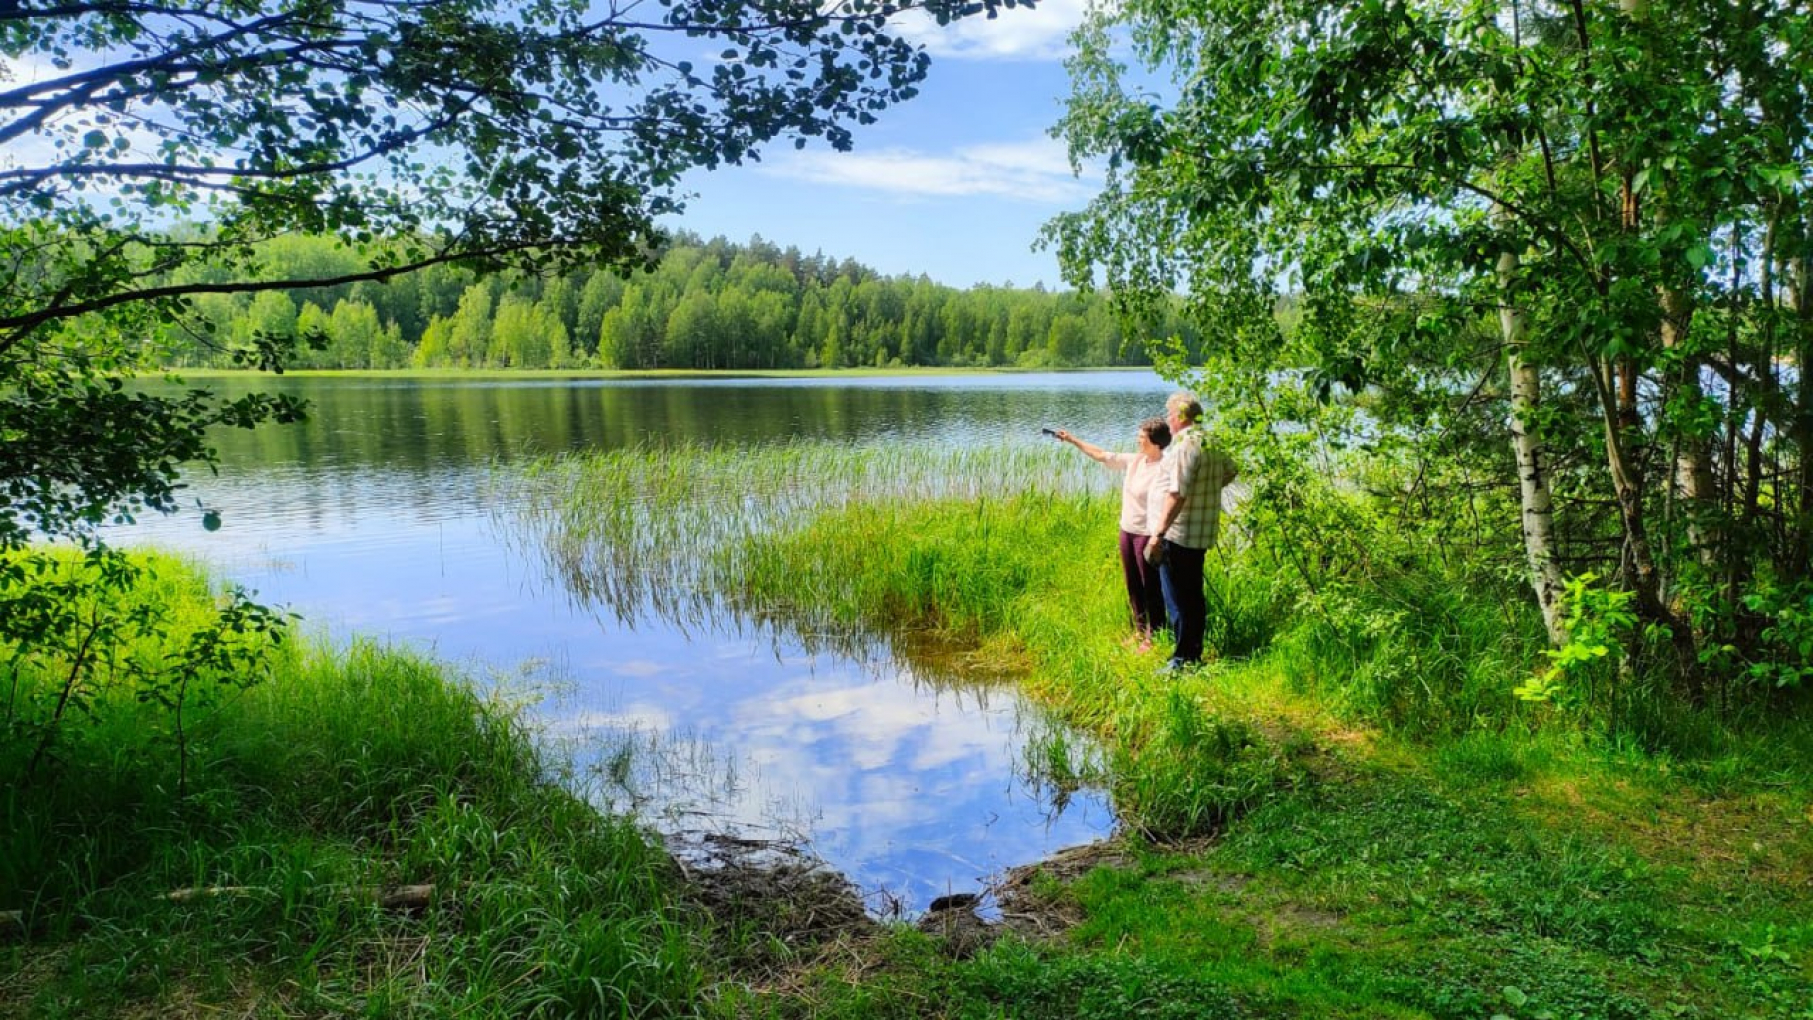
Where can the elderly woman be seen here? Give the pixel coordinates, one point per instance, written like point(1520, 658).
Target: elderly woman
point(1140, 491)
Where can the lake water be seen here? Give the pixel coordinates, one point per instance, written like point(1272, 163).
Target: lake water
point(372, 518)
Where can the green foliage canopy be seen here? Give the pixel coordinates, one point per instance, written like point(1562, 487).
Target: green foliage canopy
point(1575, 230)
point(702, 305)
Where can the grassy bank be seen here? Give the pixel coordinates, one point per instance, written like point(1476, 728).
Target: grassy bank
point(295, 805)
point(1349, 814)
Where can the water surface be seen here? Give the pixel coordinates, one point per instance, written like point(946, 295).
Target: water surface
point(373, 518)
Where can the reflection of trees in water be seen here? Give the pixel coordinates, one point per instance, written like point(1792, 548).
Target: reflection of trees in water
point(409, 442)
point(403, 422)
point(413, 423)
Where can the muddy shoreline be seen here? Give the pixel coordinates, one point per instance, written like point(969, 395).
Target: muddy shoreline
point(782, 890)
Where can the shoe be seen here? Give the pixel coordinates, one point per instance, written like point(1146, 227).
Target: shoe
point(1172, 667)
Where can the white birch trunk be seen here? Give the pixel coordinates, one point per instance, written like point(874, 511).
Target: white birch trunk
point(1532, 476)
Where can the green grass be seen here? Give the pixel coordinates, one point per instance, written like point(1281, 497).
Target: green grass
point(1346, 815)
point(347, 770)
point(1400, 892)
point(1390, 832)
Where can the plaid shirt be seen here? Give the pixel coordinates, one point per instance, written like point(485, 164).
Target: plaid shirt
point(1197, 472)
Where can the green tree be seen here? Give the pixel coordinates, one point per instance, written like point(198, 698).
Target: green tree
point(630, 337)
point(832, 355)
point(757, 311)
point(353, 335)
point(527, 334)
point(271, 314)
point(1573, 214)
point(1027, 328)
point(388, 348)
point(810, 326)
point(435, 349)
point(692, 332)
point(513, 342)
point(1067, 340)
point(768, 323)
point(469, 331)
point(560, 300)
point(438, 290)
point(602, 292)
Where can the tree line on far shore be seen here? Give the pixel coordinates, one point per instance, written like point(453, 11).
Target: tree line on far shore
point(703, 305)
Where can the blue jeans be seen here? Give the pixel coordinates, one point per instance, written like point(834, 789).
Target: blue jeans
point(1181, 577)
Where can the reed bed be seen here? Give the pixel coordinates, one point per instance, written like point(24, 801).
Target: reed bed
point(677, 531)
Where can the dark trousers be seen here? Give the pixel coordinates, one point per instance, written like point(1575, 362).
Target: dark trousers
point(1145, 594)
point(1181, 577)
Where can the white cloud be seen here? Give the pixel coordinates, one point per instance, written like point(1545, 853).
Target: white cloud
point(1031, 171)
point(1038, 33)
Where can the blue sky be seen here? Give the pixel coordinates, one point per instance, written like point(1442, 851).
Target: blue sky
point(954, 184)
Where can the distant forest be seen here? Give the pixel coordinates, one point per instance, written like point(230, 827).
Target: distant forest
point(706, 305)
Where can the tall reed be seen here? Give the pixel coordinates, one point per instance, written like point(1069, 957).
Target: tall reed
point(676, 530)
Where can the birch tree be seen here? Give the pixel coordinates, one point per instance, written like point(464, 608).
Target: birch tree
point(1622, 186)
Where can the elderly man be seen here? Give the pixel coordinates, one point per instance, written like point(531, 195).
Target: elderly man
point(1194, 474)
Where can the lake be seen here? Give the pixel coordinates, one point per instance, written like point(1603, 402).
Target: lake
point(373, 518)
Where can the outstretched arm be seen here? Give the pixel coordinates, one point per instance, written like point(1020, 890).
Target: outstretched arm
point(1090, 450)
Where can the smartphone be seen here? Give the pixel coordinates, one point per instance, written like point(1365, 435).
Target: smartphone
point(1048, 430)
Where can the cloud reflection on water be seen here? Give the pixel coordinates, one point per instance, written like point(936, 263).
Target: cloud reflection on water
point(903, 786)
